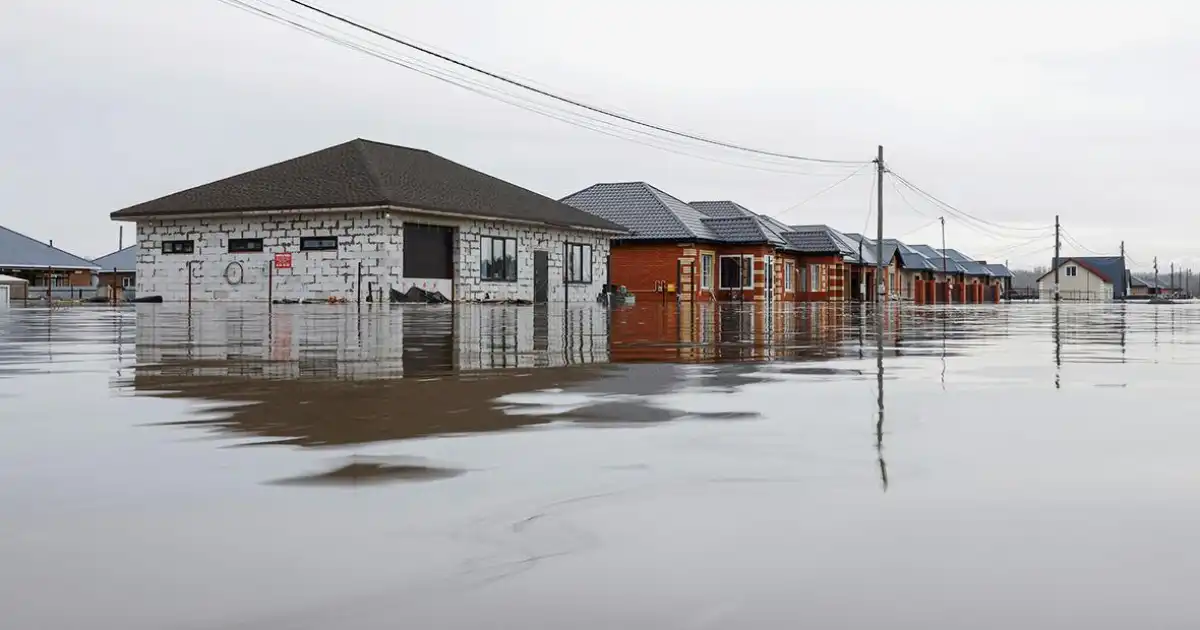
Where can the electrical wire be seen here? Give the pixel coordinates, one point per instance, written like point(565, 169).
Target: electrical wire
point(567, 100)
point(915, 230)
point(824, 190)
point(960, 213)
point(1067, 236)
point(576, 119)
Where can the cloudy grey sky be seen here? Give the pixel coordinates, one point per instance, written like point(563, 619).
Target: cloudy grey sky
point(1011, 111)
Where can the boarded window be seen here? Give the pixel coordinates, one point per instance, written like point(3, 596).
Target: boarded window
point(245, 245)
point(318, 243)
point(428, 251)
point(579, 263)
point(178, 247)
point(498, 259)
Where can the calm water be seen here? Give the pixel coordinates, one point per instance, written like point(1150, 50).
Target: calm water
point(508, 467)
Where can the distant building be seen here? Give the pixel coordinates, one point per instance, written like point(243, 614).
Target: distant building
point(358, 219)
point(118, 270)
point(1086, 278)
point(42, 264)
point(1144, 287)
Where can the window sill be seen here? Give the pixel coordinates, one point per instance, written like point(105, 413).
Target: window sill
point(574, 282)
point(498, 280)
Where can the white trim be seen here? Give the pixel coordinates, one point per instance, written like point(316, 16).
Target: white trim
point(712, 260)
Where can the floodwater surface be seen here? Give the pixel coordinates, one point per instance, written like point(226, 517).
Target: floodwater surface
point(817, 466)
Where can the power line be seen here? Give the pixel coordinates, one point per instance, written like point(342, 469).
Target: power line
point(825, 190)
point(583, 121)
point(564, 99)
point(961, 213)
point(1074, 241)
point(923, 226)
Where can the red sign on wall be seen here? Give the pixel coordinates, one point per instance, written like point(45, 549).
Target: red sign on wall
point(283, 261)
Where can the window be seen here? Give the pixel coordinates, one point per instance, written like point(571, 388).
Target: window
point(498, 259)
point(789, 270)
point(731, 272)
point(127, 282)
point(318, 243)
point(579, 263)
point(804, 278)
point(814, 280)
point(245, 245)
point(706, 271)
point(747, 272)
point(1072, 271)
point(428, 251)
point(178, 247)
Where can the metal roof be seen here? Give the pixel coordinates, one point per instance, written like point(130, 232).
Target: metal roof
point(999, 270)
point(18, 251)
point(647, 212)
point(121, 260)
point(950, 265)
point(833, 240)
point(365, 173)
point(721, 209)
point(811, 240)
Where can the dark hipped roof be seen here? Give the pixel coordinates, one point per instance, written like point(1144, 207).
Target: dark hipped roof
point(364, 173)
point(121, 260)
point(820, 239)
point(18, 251)
point(645, 211)
point(721, 209)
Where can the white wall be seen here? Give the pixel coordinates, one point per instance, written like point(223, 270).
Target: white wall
point(372, 238)
point(352, 342)
point(1084, 285)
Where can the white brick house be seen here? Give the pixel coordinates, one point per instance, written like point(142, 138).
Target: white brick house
point(362, 218)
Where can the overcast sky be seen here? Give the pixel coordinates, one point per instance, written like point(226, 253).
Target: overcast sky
point(1011, 111)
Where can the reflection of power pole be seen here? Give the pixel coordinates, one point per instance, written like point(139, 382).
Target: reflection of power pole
point(883, 478)
point(1057, 348)
point(1057, 254)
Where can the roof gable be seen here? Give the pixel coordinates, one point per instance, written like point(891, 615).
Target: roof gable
point(122, 260)
point(1107, 268)
point(18, 251)
point(364, 173)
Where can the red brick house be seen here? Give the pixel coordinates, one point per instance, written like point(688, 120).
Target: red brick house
point(710, 250)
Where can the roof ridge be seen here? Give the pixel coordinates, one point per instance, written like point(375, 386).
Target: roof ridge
point(655, 192)
point(44, 244)
point(369, 166)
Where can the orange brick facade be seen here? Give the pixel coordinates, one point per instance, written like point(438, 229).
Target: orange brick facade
point(693, 272)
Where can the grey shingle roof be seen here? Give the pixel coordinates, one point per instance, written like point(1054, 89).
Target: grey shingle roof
point(831, 240)
point(739, 230)
point(721, 209)
point(913, 260)
point(121, 260)
point(925, 251)
point(647, 212)
point(999, 270)
point(955, 255)
point(365, 173)
point(18, 251)
point(950, 265)
point(811, 241)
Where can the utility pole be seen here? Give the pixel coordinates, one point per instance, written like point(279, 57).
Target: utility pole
point(1124, 272)
point(1156, 275)
point(879, 296)
point(1172, 276)
point(1057, 254)
point(945, 276)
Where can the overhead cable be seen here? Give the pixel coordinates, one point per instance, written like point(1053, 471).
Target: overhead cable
point(452, 59)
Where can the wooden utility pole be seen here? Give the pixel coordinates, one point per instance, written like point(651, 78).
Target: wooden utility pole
point(1172, 276)
point(1156, 275)
point(879, 294)
point(1057, 254)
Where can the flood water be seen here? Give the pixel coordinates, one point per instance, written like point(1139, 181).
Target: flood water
point(314, 467)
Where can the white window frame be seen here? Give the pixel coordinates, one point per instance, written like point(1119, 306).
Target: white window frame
point(721, 273)
point(747, 272)
point(1072, 271)
point(127, 282)
point(706, 270)
point(789, 270)
point(814, 280)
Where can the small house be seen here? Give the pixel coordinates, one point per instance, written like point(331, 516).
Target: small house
point(363, 220)
point(46, 268)
point(1085, 278)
